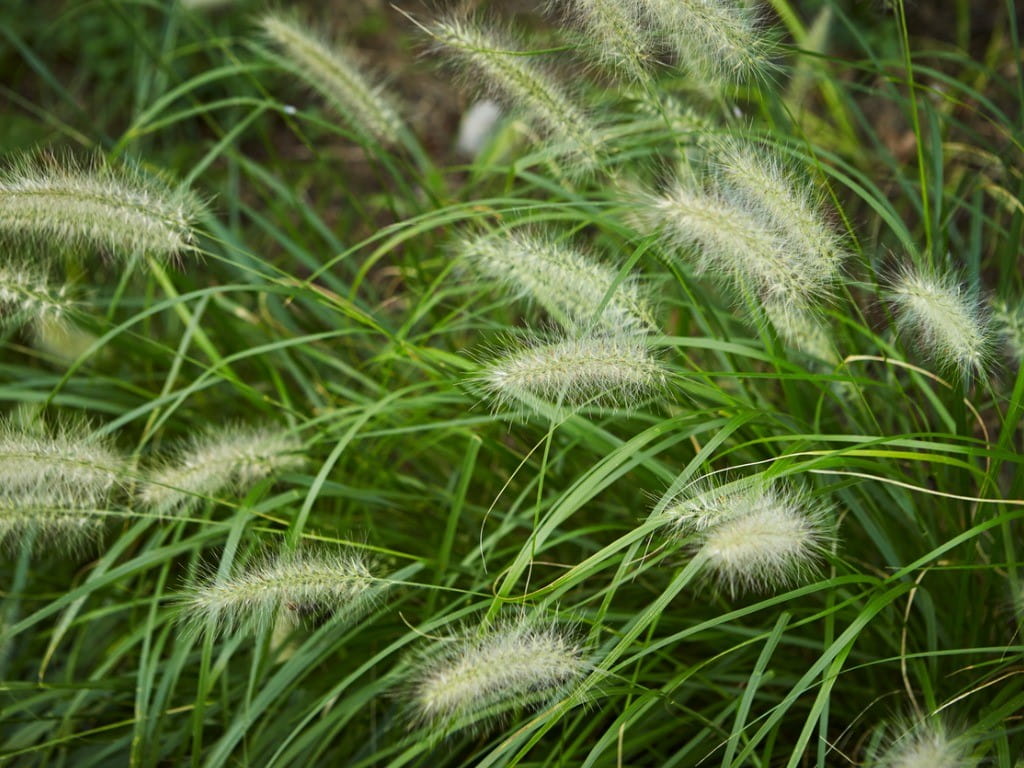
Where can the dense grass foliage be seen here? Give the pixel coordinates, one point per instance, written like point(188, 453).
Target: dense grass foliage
point(669, 416)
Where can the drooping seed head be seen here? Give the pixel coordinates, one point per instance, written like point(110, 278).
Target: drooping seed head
point(943, 320)
point(297, 585)
point(332, 71)
point(478, 675)
point(576, 372)
point(613, 32)
point(1009, 322)
point(232, 458)
point(116, 209)
point(753, 537)
point(926, 744)
point(802, 330)
point(568, 283)
point(714, 40)
point(26, 296)
point(519, 80)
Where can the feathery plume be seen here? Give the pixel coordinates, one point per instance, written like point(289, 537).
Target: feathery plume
point(756, 179)
point(115, 209)
point(614, 33)
point(56, 488)
point(751, 535)
point(1010, 323)
point(478, 675)
point(226, 459)
point(27, 297)
point(802, 330)
point(719, 40)
point(576, 372)
point(331, 72)
point(943, 319)
point(513, 76)
point(566, 282)
point(296, 585)
point(927, 744)
point(68, 458)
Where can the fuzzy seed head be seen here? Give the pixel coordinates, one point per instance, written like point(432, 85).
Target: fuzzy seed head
point(520, 81)
point(615, 33)
point(566, 282)
point(925, 745)
point(802, 330)
point(753, 537)
point(232, 459)
point(714, 40)
point(27, 297)
point(114, 209)
point(1009, 320)
point(615, 370)
point(296, 585)
point(943, 320)
point(478, 675)
point(332, 72)
point(56, 487)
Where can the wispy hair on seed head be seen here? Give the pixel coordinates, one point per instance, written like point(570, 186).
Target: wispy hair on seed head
point(944, 320)
point(753, 535)
point(226, 458)
point(57, 487)
point(612, 32)
point(567, 282)
point(67, 203)
point(715, 41)
point(510, 74)
point(928, 743)
point(332, 71)
point(476, 677)
point(27, 297)
point(573, 372)
point(306, 584)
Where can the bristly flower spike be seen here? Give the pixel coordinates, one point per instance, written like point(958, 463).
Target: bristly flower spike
point(566, 282)
point(227, 459)
point(715, 40)
point(479, 675)
point(613, 32)
point(576, 372)
point(26, 296)
point(117, 209)
point(512, 75)
point(331, 71)
point(295, 585)
point(943, 319)
point(926, 744)
point(752, 536)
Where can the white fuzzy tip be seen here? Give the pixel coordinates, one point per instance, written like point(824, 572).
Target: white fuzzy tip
point(229, 459)
point(589, 371)
point(294, 585)
point(479, 675)
point(938, 316)
point(925, 745)
point(753, 537)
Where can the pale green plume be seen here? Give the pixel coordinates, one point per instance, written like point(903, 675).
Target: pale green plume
point(614, 33)
point(479, 674)
point(521, 81)
point(117, 209)
point(331, 71)
point(293, 585)
point(228, 459)
point(938, 316)
point(566, 282)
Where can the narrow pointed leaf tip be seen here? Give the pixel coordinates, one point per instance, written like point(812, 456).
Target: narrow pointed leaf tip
point(290, 585)
point(943, 320)
point(228, 459)
point(576, 372)
point(566, 282)
point(115, 209)
point(752, 536)
point(479, 675)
